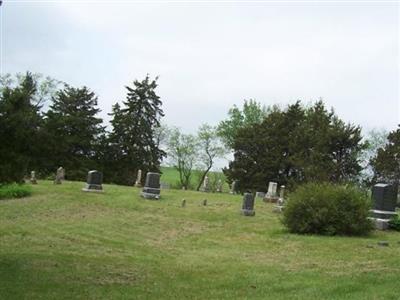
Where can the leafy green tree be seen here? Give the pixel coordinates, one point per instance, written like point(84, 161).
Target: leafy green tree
point(386, 163)
point(298, 144)
point(210, 148)
point(251, 113)
point(19, 127)
point(182, 155)
point(134, 140)
point(73, 130)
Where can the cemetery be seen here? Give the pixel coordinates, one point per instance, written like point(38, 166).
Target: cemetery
point(199, 150)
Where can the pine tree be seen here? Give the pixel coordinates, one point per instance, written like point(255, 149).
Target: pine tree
point(19, 127)
point(73, 130)
point(296, 145)
point(386, 163)
point(132, 142)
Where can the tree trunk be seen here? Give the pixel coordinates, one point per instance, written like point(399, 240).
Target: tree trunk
point(202, 178)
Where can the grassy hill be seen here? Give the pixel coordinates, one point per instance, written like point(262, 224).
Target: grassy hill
point(62, 243)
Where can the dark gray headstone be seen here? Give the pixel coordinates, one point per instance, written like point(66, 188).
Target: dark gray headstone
point(248, 204)
point(94, 181)
point(384, 197)
point(151, 189)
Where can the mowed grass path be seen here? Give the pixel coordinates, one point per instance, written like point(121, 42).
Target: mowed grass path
point(62, 243)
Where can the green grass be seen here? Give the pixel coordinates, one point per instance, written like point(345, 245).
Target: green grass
point(62, 243)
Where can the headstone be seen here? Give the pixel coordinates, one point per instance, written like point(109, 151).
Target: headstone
point(33, 177)
point(138, 182)
point(281, 200)
point(60, 175)
point(183, 203)
point(94, 182)
point(219, 186)
point(151, 189)
point(206, 184)
point(248, 205)
point(205, 202)
point(271, 195)
point(384, 198)
point(234, 187)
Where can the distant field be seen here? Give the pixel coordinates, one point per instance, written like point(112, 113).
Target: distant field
point(171, 176)
point(62, 243)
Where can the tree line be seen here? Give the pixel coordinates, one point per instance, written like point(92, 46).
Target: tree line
point(45, 124)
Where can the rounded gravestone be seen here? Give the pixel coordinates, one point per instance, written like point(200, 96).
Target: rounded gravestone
point(248, 205)
point(94, 182)
point(151, 189)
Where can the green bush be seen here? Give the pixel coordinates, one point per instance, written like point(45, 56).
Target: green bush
point(14, 191)
point(394, 223)
point(328, 209)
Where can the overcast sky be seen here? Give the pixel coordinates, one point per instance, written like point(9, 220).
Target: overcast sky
point(210, 56)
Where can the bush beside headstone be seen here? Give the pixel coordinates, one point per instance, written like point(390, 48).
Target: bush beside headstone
point(328, 209)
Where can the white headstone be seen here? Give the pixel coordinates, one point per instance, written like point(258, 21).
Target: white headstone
point(138, 182)
point(33, 177)
point(272, 188)
point(60, 175)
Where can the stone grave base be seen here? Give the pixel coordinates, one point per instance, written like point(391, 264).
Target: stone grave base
point(150, 190)
point(380, 224)
point(97, 188)
point(248, 212)
point(92, 191)
point(382, 214)
point(150, 196)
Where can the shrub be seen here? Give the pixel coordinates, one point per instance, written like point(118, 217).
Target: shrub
point(328, 209)
point(394, 223)
point(14, 191)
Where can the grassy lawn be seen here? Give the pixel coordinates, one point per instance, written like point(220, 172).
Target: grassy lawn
point(62, 243)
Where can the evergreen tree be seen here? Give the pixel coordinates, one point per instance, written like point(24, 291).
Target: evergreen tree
point(19, 127)
point(386, 163)
point(133, 141)
point(73, 131)
point(296, 145)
